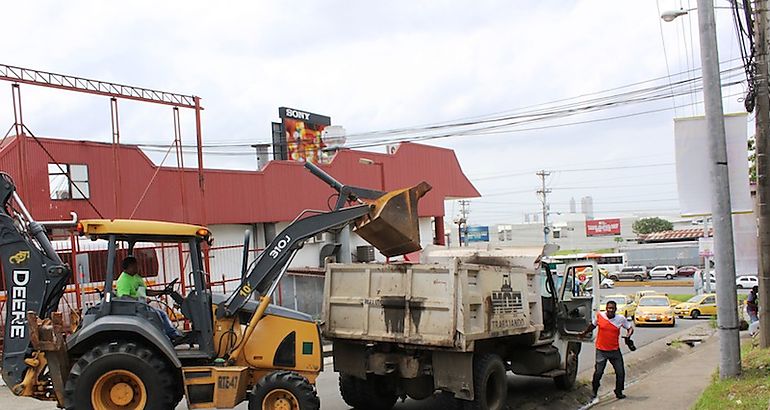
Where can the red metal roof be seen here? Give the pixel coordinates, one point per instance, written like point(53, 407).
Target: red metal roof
point(279, 192)
point(675, 235)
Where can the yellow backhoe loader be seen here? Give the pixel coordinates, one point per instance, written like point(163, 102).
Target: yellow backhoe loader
point(238, 347)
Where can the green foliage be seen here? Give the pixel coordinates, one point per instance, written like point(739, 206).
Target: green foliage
point(649, 225)
point(750, 390)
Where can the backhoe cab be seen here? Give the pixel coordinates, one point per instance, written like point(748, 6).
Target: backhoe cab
point(234, 347)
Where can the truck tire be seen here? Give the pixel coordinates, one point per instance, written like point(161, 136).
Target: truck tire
point(286, 390)
point(367, 394)
point(567, 381)
point(638, 278)
point(447, 401)
point(121, 375)
point(489, 383)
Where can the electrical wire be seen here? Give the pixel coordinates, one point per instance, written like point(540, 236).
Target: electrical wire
point(503, 123)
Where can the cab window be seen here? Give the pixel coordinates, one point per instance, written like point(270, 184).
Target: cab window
point(709, 300)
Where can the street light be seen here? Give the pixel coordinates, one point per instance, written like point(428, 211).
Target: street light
point(671, 15)
point(727, 309)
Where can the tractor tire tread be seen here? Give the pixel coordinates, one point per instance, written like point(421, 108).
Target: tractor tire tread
point(298, 385)
point(163, 375)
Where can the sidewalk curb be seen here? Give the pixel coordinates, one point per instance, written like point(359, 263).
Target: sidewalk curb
point(648, 359)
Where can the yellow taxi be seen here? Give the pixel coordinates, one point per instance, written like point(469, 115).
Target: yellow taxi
point(642, 293)
point(626, 304)
point(654, 310)
point(697, 306)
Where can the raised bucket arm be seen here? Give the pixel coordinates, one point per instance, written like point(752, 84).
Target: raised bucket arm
point(389, 221)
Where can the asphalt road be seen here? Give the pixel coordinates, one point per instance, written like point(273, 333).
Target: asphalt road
point(520, 389)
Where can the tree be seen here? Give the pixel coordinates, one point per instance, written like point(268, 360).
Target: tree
point(649, 225)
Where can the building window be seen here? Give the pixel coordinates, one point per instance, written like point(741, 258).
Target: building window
point(68, 181)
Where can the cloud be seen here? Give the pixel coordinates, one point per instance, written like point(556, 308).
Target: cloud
point(370, 66)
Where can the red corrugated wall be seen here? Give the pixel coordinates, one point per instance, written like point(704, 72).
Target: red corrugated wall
point(277, 193)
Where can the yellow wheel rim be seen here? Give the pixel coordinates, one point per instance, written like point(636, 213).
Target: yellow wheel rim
point(119, 390)
point(280, 399)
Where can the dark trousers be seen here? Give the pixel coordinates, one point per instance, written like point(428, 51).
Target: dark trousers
point(616, 360)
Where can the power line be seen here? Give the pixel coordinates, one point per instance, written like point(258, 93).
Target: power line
point(579, 170)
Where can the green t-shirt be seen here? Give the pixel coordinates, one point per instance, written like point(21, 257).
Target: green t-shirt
point(131, 285)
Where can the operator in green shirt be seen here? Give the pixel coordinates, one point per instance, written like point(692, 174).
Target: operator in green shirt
point(131, 284)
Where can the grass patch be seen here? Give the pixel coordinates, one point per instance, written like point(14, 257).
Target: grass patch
point(576, 251)
point(749, 391)
point(684, 297)
point(680, 297)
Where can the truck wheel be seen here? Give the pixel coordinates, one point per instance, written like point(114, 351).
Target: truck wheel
point(121, 375)
point(367, 394)
point(489, 384)
point(567, 381)
point(638, 278)
point(284, 390)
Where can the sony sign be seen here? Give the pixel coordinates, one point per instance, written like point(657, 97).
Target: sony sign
point(19, 304)
point(297, 114)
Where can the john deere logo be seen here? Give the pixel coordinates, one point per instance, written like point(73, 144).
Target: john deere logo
point(19, 258)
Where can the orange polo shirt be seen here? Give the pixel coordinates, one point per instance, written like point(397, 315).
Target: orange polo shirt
point(608, 336)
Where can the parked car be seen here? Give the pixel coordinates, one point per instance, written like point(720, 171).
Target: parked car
point(663, 272)
point(746, 281)
point(642, 293)
point(626, 304)
point(606, 282)
point(654, 310)
point(637, 273)
point(697, 306)
point(687, 271)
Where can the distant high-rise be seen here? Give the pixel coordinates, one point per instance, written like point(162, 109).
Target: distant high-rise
point(587, 207)
point(572, 206)
point(526, 218)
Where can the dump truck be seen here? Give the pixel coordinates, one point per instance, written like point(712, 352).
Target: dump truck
point(454, 324)
point(237, 347)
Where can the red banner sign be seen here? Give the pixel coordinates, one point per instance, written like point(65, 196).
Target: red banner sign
point(599, 227)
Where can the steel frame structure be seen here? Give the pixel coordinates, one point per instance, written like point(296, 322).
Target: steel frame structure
point(19, 75)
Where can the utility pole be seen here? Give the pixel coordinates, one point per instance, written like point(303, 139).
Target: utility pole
point(462, 222)
point(763, 167)
point(543, 192)
point(721, 210)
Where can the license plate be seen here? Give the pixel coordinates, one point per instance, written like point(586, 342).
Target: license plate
point(654, 319)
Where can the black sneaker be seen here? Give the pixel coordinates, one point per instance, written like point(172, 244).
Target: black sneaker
point(620, 396)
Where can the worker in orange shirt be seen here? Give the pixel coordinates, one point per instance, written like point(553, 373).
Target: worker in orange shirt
point(608, 346)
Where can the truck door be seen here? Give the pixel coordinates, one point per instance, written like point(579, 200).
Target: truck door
point(577, 303)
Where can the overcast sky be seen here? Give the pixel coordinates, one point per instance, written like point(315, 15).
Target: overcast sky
point(384, 65)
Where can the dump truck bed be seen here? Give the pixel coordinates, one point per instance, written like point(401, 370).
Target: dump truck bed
point(446, 305)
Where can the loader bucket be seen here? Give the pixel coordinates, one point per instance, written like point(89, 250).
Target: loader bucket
point(392, 225)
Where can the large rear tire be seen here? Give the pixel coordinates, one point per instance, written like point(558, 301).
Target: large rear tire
point(490, 388)
point(367, 394)
point(284, 390)
point(567, 381)
point(121, 376)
